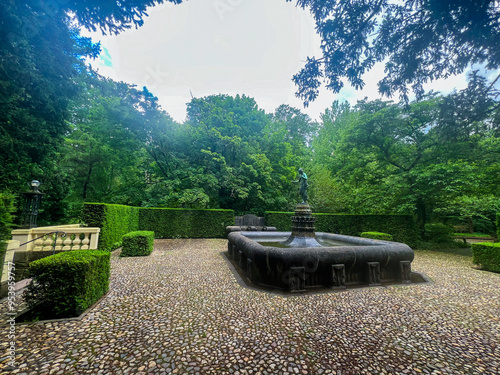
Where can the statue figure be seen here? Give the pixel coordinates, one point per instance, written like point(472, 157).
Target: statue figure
point(303, 185)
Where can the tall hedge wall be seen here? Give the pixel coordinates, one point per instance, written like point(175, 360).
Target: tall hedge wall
point(114, 220)
point(117, 220)
point(182, 223)
point(401, 227)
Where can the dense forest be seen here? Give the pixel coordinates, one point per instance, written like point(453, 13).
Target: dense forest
point(88, 138)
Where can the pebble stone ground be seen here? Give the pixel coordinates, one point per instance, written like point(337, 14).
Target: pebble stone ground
point(181, 311)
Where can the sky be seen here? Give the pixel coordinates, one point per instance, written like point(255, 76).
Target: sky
point(206, 47)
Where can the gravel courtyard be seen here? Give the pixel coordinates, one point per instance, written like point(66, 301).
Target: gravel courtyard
point(181, 311)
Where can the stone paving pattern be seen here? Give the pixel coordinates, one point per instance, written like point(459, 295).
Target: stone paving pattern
point(181, 311)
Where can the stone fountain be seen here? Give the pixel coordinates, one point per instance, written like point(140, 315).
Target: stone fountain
point(303, 260)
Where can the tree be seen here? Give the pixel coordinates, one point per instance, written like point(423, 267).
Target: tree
point(101, 153)
point(388, 157)
point(468, 208)
point(419, 41)
point(40, 59)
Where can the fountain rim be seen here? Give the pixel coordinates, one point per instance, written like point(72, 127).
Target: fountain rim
point(352, 240)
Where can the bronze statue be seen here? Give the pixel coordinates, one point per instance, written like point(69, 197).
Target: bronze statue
point(303, 185)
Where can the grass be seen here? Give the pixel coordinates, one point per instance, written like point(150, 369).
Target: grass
point(472, 235)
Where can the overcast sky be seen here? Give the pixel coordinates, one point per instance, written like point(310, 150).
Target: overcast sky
point(206, 47)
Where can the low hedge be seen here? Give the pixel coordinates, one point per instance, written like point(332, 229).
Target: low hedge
point(138, 243)
point(114, 220)
point(486, 255)
point(402, 227)
point(184, 223)
point(377, 236)
point(66, 284)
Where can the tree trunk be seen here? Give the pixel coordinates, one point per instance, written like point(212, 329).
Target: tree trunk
point(87, 181)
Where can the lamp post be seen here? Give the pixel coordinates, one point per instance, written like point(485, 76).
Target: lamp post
point(32, 200)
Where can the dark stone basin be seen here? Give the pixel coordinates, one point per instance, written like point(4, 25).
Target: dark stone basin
point(338, 262)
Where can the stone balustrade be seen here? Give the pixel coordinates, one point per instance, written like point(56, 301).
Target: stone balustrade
point(58, 238)
point(28, 245)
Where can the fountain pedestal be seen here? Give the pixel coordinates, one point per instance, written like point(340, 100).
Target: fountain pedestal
point(303, 234)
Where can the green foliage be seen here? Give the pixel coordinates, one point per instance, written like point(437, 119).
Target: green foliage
point(6, 208)
point(402, 226)
point(498, 225)
point(475, 234)
point(139, 243)
point(428, 158)
point(109, 15)
point(105, 149)
point(377, 236)
point(418, 41)
point(438, 232)
point(66, 284)
point(487, 255)
point(113, 219)
point(477, 211)
point(41, 58)
point(116, 220)
point(179, 223)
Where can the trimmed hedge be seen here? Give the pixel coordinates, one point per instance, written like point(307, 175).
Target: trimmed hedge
point(114, 220)
point(402, 227)
point(377, 236)
point(487, 255)
point(183, 223)
point(138, 243)
point(66, 284)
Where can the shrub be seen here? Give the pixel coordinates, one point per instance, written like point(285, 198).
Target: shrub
point(402, 227)
point(66, 284)
point(439, 232)
point(184, 223)
point(481, 225)
point(487, 255)
point(498, 226)
point(377, 236)
point(6, 208)
point(114, 220)
point(138, 243)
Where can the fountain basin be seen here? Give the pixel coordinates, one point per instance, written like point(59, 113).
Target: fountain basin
point(339, 262)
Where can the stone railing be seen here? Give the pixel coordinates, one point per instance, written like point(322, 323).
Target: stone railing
point(28, 245)
point(57, 238)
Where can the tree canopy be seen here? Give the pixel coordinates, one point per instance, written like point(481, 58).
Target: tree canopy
point(89, 138)
point(418, 40)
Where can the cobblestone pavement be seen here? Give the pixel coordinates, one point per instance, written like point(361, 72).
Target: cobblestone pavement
point(181, 311)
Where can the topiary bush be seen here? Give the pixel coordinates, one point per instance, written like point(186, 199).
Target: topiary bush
point(377, 236)
point(402, 227)
point(66, 284)
point(184, 223)
point(138, 243)
point(114, 220)
point(486, 255)
point(439, 232)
